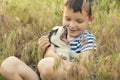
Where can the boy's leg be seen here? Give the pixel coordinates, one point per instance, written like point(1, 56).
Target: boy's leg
point(65, 71)
point(14, 69)
point(47, 70)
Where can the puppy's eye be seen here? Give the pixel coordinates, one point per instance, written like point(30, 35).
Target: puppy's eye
point(55, 31)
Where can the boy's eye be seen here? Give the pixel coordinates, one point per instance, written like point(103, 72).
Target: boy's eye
point(68, 19)
point(80, 21)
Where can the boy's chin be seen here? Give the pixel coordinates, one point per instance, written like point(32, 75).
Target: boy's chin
point(74, 35)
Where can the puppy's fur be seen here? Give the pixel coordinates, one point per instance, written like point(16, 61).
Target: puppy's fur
point(61, 48)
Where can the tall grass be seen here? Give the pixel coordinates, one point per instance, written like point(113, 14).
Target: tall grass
point(22, 23)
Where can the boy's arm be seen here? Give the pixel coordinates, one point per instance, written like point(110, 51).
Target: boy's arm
point(50, 52)
point(88, 48)
point(47, 49)
point(86, 56)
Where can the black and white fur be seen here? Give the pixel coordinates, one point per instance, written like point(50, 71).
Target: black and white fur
point(61, 48)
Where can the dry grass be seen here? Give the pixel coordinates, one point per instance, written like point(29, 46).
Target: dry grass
point(23, 23)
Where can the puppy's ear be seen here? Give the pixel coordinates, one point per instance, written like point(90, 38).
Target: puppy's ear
point(49, 36)
point(51, 33)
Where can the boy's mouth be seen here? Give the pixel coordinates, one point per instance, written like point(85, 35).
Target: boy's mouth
point(63, 37)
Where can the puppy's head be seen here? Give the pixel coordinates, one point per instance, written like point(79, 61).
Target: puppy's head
point(58, 36)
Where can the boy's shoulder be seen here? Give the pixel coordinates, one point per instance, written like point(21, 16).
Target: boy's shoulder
point(87, 35)
point(88, 41)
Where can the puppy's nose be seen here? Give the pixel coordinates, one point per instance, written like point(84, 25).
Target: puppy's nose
point(65, 27)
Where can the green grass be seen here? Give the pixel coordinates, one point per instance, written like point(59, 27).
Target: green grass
point(23, 23)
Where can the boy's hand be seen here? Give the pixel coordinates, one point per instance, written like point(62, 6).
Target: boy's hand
point(43, 43)
point(46, 47)
point(50, 52)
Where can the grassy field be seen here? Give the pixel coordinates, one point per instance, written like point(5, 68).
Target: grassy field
point(22, 23)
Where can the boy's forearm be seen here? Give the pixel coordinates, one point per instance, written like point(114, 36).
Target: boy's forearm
point(86, 56)
point(51, 54)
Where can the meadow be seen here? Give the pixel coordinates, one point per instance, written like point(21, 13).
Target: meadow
point(22, 23)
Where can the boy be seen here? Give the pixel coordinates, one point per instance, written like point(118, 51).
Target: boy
point(76, 17)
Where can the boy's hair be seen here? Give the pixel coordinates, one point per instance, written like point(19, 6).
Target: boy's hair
point(79, 5)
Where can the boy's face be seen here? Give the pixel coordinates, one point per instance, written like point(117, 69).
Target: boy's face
point(75, 21)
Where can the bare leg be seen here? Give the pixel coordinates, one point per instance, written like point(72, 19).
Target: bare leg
point(65, 71)
point(47, 71)
point(14, 69)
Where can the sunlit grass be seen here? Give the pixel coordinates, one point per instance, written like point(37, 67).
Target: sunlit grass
point(22, 23)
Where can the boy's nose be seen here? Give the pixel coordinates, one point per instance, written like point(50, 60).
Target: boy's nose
point(72, 25)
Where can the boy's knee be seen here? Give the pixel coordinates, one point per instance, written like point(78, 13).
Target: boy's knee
point(46, 63)
point(45, 66)
point(8, 64)
point(8, 61)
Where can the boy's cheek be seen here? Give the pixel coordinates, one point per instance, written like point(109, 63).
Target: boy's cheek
point(65, 22)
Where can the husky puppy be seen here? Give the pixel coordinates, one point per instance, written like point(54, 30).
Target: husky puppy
point(58, 37)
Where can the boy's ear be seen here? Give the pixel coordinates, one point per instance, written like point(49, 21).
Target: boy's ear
point(91, 18)
point(62, 11)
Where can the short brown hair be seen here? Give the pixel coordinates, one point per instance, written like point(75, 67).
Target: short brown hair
point(79, 5)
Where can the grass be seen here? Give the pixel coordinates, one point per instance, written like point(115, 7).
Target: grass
point(23, 23)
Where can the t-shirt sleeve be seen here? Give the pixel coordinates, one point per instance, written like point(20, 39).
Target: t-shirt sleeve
point(88, 43)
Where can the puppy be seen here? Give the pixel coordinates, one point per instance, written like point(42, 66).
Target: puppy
point(58, 37)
